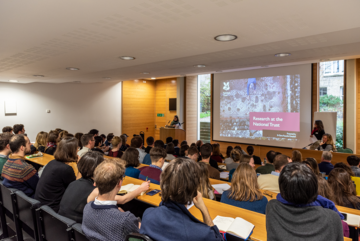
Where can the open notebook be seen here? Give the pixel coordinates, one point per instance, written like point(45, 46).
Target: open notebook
point(128, 188)
point(234, 226)
point(220, 188)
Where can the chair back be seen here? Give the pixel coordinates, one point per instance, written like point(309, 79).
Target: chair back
point(137, 237)
point(356, 181)
point(6, 200)
point(77, 233)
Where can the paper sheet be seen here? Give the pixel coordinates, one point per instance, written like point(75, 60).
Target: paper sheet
point(220, 188)
point(224, 175)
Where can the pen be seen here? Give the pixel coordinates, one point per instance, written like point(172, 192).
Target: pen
point(146, 178)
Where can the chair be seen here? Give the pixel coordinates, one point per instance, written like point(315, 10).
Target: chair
point(356, 181)
point(77, 233)
point(137, 237)
point(53, 226)
point(8, 210)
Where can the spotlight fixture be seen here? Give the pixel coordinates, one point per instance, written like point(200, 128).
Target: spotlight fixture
point(72, 68)
point(200, 66)
point(38, 75)
point(13, 80)
point(282, 54)
point(153, 78)
point(127, 58)
point(225, 37)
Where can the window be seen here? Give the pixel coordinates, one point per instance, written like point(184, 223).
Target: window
point(204, 108)
point(334, 67)
point(342, 92)
point(323, 91)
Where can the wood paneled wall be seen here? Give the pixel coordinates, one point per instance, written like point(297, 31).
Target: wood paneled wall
point(315, 92)
point(191, 108)
point(357, 76)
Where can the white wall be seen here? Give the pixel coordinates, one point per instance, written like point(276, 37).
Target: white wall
point(74, 107)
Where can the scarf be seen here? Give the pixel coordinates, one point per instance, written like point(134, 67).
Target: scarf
point(51, 144)
point(320, 201)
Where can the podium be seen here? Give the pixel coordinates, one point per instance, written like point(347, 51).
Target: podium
point(178, 134)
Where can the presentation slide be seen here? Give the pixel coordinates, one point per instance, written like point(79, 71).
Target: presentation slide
point(264, 106)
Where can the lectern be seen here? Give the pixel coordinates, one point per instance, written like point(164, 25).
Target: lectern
point(178, 134)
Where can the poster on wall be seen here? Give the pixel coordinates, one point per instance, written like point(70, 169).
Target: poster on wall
point(10, 107)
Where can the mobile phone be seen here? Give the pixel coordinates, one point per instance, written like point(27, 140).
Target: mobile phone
point(153, 192)
point(345, 216)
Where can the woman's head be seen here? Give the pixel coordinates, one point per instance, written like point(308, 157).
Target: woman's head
point(123, 139)
point(244, 185)
point(235, 155)
point(78, 137)
point(312, 164)
point(298, 183)
point(176, 118)
point(88, 162)
point(247, 159)
point(131, 157)
point(296, 156)
point(328, 140)
point(53, 136)
point(345, 167)
point(41, 139)
point(216, 149)
point(238, 148)
point(98, 141)
point(63, 134)
point(228, 151)
point(199, 143)
point(116, 142)
point(184, 150)
point(204, 179)
point(324, 188)
point(66, 150)
point(319, 125)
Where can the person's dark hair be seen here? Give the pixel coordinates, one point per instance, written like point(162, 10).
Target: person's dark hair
point(53, 136)
point(4, 140)
point(66, 151)
point(345, 167)
point(228, 151)
point(159, 143)
point(78, 137)
point(93, 132)
point(270, 156)
point(238, 148)
point(170, 148)
point(7, 129)
point(123, 140)
point(70, 135)
point(193, 144)
point(169, 139)
point(150, 140)
point(180, 181)
point(156, 154)
point(59, 130)
point(108, 174)
point(216, 149)
point(192, 150)
point(103, 136)
point(86, 138)
point(136, 142)
point(17, 141)
point(88, 163)
point(176, 142)
point(98, 140)
point(319, 124)
point(324, 188)
point(296, 156)
point(183, 143)
point(183, 148)
point(279, 161)
point(298, 183)
point(312, 163)
point(131, 157)
point(353, 160)
point(205, 151)
point(250, 150)
point(199, 143)
point(109, 137)
point(17, 128)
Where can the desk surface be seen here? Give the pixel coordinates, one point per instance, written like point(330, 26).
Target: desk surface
point(42, 161)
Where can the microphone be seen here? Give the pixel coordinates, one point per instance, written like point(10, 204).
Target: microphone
point(168, 123)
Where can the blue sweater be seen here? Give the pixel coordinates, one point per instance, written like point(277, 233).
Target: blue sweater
point(147, 160)
point(258, 206)
point(132, 172)
point(172, 221)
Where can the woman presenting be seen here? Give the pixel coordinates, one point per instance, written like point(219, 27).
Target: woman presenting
point(175, 121)
point(318, 130)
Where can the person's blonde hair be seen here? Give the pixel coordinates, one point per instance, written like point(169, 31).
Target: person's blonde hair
point(41, 139)
point(62, 135)
point(116, 141)
point(205, 185)
point(235, 155)
point(244, 185)
point(330, 141)
point(296, 156)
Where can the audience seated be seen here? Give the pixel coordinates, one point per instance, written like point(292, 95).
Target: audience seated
point(78, 137)
point(4, 148)
point(109, 137)
point(57, 175)
point(41, 141)
point(116, 144)
point(7, 129)
point(205, 187)
point(354, 162)
point(343, 188)
point(147, 159)
point(170, 151)
point(150, 144)
point(19, 129)
point(153, 171)
point(102, 219)
point(183, 150)
point(270, 182)
point(296, 156)
point(176, 147)
point(206, 152)
point(235, 157)
point(244, 191)
point(75, 197)
point(137, 142)
point(298, 213)
point(88, 143)
point(250, 150)
point(131, 158)
point(51, 142)
point(171, 220)
point(217, 156)
point(228, 158)
point(325, 165)
point(98, 144)
point(123, 141)
point(193, 153)
point(269, 166)
point(16, 172)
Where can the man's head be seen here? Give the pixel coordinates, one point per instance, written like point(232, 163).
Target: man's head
point(159, 143)
point(298, 184)
point(270, 156)
point(103, 137)
point(206, 151)
point(326, 156)
point(4, 143)
point(19, 129)
point(169, 139)
point(250, 150)
point(7, 129)
point(136, 142)
point(176, 142)
point(170, 148)
point(353, 160)
point(183, 143)
point(88, 162)
point(193, 153)
point(109, 137)
point(98, 141)
point(150, 141)
point(108, 175)
point(88, 141)
point(19, 145)
point(157, 156)
point(280, 161)
point(180, 180)
point(94, 132)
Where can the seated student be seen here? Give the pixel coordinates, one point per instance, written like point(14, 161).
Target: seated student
point(131, 158)
point(137, 142)
point(354, 162)
point(244, 191)
point(205, 187)
point(179, 187)
point(58, 174)
point(170, 151)
point(344, 189)
point(94, 132)
point(235, 156)
point(345, 167)
point(116, 144)
point(298, 213)
point(183, 151)
point(16, 172)
point(184, 143)
point(4, 148)
point(168, 140)
point(98, 144)
point(7, 129)
point(228, 158)
point(193, 154)
point(78, 137)
point(325, 164)
point(205, 153)
point(269, 166)
point(19, 129)
point(270, 182)
point(147, 159)
point(312, 163)
point(62, 135)
point(240, 149)
point(109, 137)
point(123, 141)
point(88, 143)
point(327, 143)
point(102, 219)
point(41, 141)
point(244, 159)
point(176, 147)
point(150, 144)
point(75, 197)
point(250, 150)
point(296, 156)
point(103, 138)
point(217, 156)
point(51, 142)
point(153, 171)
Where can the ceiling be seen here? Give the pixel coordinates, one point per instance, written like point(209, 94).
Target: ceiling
point(168, 37)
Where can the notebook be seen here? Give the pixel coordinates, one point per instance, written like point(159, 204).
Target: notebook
point(234, 226)
point(220, 188)
point(128, 188)
point(224, 175)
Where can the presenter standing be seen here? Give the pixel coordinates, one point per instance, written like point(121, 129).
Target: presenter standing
point(175, 121)
point(318, 130)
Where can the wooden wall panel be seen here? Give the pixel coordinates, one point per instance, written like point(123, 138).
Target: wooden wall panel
point(315, 92)
point(164, 89)
point(191, 108)
point(357, 76)
point(138, 108)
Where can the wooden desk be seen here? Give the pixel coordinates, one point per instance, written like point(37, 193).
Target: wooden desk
point(42, 161)
point(178, 134)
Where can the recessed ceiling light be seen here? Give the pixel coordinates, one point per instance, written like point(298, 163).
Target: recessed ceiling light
point(13, 80)
point(106, 78)
point(38, 75)
point(225, 37)
point(145, 73)
point(127, 58)
point(282, 54)
point(153, 78)
point(144, 81)
point(200, 66)
point(72, 68)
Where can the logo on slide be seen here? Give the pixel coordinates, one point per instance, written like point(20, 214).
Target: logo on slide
point(226, 86)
